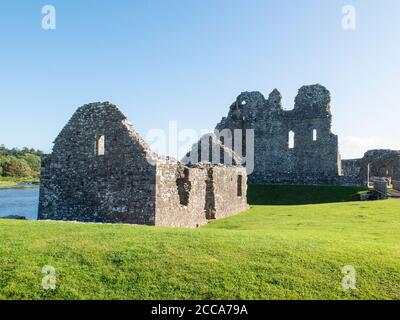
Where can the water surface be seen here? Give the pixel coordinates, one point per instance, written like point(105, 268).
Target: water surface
point(19, 201)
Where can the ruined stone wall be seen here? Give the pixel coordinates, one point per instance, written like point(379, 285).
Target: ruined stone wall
point(101, 170)
point(98, 171)
point(210, 149)
point(180, 210)
point(374, 165)
point(351, 167)
point(354, 173)
point(230, 190)
point(310, 161)
point(381, 187)
point(189, 196)
point(383, 163)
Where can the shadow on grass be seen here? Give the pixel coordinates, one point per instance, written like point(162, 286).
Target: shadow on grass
point(300, 195)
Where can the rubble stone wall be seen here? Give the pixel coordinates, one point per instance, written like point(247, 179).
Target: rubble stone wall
point(78, 184)
point(211, 191)
point(314, 157)
point(101, 170)
point(169, 209)
point(230, 190)
point(374, 165)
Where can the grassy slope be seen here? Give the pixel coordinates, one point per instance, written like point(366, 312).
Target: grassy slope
point(10, 182)
point(7, 183)
point(270, 252)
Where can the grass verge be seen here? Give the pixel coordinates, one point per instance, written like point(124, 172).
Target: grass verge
point(283, 251)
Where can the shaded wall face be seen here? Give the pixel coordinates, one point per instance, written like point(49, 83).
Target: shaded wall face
point(375, 163)
point(386, 168)
point(310, 156)
point(97, 172)
point(314, 157)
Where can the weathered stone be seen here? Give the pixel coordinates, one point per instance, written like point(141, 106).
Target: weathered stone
point(210, 149)
point(381, 188)
point(314, 158)
point(376, 165)
point(364, 197)
point(101, 170)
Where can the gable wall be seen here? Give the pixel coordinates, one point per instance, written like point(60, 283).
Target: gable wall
point(77, 184)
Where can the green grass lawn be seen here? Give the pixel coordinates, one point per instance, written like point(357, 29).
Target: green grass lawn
point(276, 250)
point(7, 183)
point(11, 182)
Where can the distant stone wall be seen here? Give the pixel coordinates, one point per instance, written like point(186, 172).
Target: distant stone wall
point(210, 149)
point(353, 173)
point(351, 168)
point(381, 187)
point(383, 163)
point(312, 159)
point(230, 190)
point(375, 165)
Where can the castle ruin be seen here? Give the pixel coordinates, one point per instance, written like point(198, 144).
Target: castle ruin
point(101, 170)
point(290, 146)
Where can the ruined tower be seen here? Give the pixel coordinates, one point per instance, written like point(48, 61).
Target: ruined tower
point(290, 146)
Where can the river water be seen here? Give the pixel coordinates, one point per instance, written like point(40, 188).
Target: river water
point(19, 201)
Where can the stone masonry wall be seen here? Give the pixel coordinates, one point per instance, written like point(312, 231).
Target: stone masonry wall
point(230, 190)
point(374, 164)
point(169, 209)
point(78, 184)
point(381, 187)
point(310, 161)
point(352, 171)
point(211, 193)
point(383, 163)
point(101, 170)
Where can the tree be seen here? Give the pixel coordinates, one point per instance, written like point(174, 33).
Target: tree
point(33, 161)
point(2, 160)
point(14, 167)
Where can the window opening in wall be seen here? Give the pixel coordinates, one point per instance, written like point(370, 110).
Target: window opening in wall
point(100, 144)
point(291, 139)
point(184, 187)
point(315, 135)
point(239, 185)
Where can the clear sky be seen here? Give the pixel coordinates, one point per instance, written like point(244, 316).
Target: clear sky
point(187, 60)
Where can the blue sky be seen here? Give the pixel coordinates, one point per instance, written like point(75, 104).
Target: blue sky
point(188, 60)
